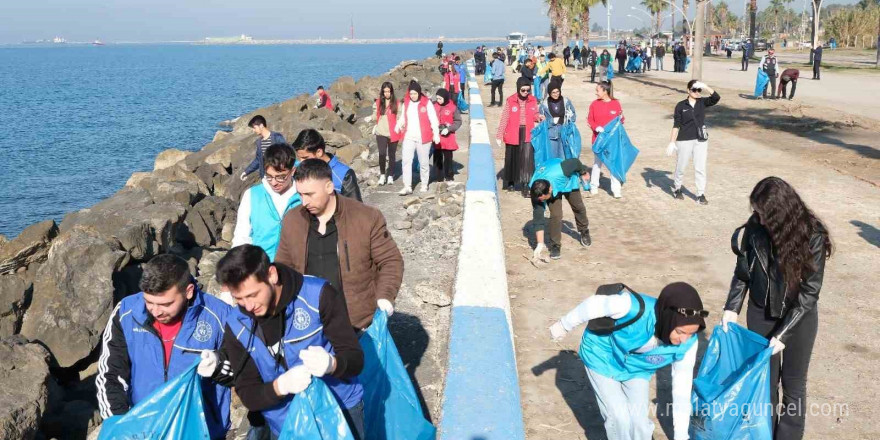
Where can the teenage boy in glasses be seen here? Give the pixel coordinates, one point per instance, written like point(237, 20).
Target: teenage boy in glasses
point(263, 205)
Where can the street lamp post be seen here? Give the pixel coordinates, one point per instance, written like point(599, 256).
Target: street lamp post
point(608, 22)
point(650, 17)
point(690, 29)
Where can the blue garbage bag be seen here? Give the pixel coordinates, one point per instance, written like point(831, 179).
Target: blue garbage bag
point(687, 63)
point(175, 410)
point(731, 397)
point(314, 414)
point(571, 140)
point(391, 407)
point(761, 82)
point(615, 149)
point(536, 87)
point(610, 72)
point(541, 143)
point(543, 151)
point(461, 103)
point(487, 76)
point(634, 64)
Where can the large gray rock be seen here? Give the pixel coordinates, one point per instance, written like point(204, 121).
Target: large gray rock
point(24, 393)
point(15, 297)
point(204, 221)
point(334, 140)
point(74, 294)
point(31, 246)
point(169, 158)
point(184, 193)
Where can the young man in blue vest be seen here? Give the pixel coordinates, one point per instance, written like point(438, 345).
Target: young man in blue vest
point(288, 328)
point(309, 144)
point(157, 334)
point(265, 138)
point(263, 205)
point(554, 179)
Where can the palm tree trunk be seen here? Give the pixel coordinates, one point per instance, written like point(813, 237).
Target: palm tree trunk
point(700, 23)
point(878, 48)
point(753, 12)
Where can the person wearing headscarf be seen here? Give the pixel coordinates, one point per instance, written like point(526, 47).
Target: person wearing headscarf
point(557, 110)
point(449, 118)
point(419, 125)
point(629, 337)
point(518, 117)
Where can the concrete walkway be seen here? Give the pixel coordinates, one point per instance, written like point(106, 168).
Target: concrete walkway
point(648, 239)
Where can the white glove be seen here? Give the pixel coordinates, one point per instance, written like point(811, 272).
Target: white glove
point(540, 248)
point(671, 149)
point(727, 317)
point(600, 129)
point(208, 364)
point(777, 345)
point(243, 175)
point(498, 142)
point(374, 130)
point(557, 331)
point(316, 360)
point(368, 119)
point(293, 381)
point(444, 132)
point(699, 85)
point(385, 306)
point(436, 139)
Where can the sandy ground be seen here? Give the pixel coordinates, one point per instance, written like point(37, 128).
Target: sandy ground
point(648, 239)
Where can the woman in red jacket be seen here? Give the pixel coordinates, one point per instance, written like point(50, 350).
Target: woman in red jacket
point(451, 80)
point(449, 119)
point(602, 111)
point(387, 109)
point(517, 120)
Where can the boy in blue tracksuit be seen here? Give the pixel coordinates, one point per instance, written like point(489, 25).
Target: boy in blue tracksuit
point(552, 180)
point(156, 335)
point(462, 74)
point(263, 205)
point(309, 144)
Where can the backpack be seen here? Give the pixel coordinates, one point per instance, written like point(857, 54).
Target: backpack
point(605, 325)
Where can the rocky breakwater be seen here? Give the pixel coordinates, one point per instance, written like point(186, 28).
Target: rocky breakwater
point(59, 283)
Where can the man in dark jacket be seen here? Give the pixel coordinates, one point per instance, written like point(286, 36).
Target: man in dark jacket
point(659, 53)
point(566, 55)
point(621, 59)
point(309, 144)
point(265, 139)
point(591, 61)
point(817, 61)
point(788, 76)
point(746, 53)
point(343, 241)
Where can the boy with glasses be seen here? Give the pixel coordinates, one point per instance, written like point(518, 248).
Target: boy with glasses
point(263, 205)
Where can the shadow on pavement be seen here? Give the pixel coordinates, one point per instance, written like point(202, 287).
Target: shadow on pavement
point(870, 233)
point(411, 340)
point(572, 382)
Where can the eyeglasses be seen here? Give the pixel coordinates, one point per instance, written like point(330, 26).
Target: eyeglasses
point(692, 312)
point(279, 178)
point(525, 89)
point(696, 90)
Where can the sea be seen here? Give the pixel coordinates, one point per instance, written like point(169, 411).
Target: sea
point(77, 120)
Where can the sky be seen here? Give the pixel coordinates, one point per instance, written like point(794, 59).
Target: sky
point(188, 20)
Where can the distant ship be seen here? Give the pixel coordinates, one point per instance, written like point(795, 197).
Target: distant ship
point(97, 43)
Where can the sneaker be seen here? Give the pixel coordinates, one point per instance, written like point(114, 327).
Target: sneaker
point(405, 191)
point(389, 180)
point(381, 179)
point(423, 189)
point(676, 194)
point(585, 239)
point(702, 200)
point(617, 196)
point(555, 253)
point(594, 190)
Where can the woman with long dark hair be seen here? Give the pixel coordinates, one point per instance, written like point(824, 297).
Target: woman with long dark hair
point(781, 263)
point(386, 137)
point(602, 111)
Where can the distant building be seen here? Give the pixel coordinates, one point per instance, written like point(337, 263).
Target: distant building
point(229, 40)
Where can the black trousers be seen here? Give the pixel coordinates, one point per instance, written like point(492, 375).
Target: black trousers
point(620, 65)
point(788, 368)
point(817, 64)
point(387, 150)
point(783, 85)
point(593, 73)
point(497, 84)
point(580, 216)
point(745, 63)
point(443, 162)
point(772, 85)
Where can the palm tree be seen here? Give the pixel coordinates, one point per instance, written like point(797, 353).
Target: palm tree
point(580, 10)
point(753, 16)
point(655, 7)
point(777, 6)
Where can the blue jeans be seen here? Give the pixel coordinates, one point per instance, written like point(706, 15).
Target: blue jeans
point(624, 407)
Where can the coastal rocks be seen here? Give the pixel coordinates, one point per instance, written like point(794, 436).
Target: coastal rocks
point(73, 420)
point(24, 393)
point(204, 221)
point(31, 246)
point(15, 297)
point(207, 269)
point(207, 173)
point(348, 153)
point(220, 135)
point(169, 158)
point(334, 140)
point(184, 193)
point(74, 294)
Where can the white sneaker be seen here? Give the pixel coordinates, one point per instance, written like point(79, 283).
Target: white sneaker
point(594, 190)
point(618, 196)
point(381, 179)
point(405, 191)
point(389, 180)
point(423, 189)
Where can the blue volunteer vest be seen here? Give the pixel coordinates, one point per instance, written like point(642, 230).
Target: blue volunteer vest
point(265, 221)
point(613, 355)
point(201, 329)
point(303, 329)
point(551, 171)
point(339, 171)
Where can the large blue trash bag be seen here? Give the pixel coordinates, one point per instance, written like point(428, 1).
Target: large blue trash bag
point(615, 149)
point(731, 397)
point(541, 143)
point(761, 82)
point(536, 87)
point(487, 76)
point(687, 63)
point(571, 140)
point(391, 407)
point(461, 103)
point(610, 71)
point(314, 414)
point(634, 64)
point(173, 411)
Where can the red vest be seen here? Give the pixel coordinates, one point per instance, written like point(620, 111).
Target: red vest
point(446, 116)
point(453, 77)
point(329, 102)
point(511, 132)
point(424, 122)
point(392, 120)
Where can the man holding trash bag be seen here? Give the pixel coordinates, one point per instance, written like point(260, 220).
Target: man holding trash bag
point(287, 328)
point(157, 334)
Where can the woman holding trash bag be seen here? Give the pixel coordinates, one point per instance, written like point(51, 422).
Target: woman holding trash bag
point(602, 111)
point(557, 110)
point(781, 263)
point(518, 117)
point(449, 118)
point(628, 338)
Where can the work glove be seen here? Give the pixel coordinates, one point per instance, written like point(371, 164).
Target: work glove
point(436, 139)
point(374, 130)
point(777, 345)
point(728, 317)
point(385, 306)
point(243, 176)
point(557, 331)
point(498, 142)
point(208, 364)
point(699, 85)
point(317, 360)
point(539, 249)
point(444, 132)
point(293, 381)
point(671, 149)
point(600, 129)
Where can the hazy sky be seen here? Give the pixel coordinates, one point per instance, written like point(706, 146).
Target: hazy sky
point(164, 20)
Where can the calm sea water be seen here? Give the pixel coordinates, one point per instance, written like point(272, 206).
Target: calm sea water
point(76, 121)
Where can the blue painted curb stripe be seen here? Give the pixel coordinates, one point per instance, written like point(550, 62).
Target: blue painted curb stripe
point(482, 384)
point(481, 169)
point(477, 112)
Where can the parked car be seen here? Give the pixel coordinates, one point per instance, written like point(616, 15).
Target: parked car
point(761, 45)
